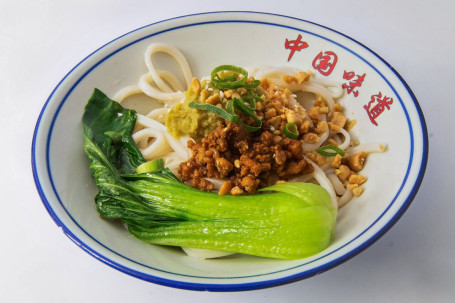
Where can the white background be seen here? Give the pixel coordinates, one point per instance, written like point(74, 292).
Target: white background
point(40, 41)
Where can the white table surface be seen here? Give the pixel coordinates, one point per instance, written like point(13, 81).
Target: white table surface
point(40, 41)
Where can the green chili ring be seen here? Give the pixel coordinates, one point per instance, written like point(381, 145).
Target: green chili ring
point(231, 117)
point(290, 130)
point(336, 151)
point(225, 83)
point(256, 96)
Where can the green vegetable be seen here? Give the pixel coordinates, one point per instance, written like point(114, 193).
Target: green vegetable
point(109, 127)
point(325, 150)
point(150, 166)
point(295, 222)
point(290, 130)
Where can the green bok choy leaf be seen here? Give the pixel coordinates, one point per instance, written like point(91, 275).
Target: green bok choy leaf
point(294, 221)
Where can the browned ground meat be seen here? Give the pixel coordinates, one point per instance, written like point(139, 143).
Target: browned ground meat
point(248, 160)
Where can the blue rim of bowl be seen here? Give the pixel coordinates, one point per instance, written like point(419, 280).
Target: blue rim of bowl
point(236, 286)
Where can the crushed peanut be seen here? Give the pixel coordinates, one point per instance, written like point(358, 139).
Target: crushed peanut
point(339, 119)
point(343, 172)
point(334, 127)
point(322, 127)
point(195, 85)
point(356, 161)
point(332, 142)
point(351, 125)
point(317, 158)
point(310, 138)
point(351, 186)
point(324, 110)
point(204, 95)
point(292, 117)
point(304, 127)
point(213, 99)
point(336, 162)
point(320, 102)
point(315, 113)
point(225, 188)
point(358, 191)
point(236, 191)
point(270, 113)
point(357, 179)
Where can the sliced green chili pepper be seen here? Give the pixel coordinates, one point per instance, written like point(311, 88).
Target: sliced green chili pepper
point(251, 102)
point(256, 96)
point(227, 82)
point(226, 79)
point(229, 114)
point(231, 117)
point(323, 150)
point(230, 107)
point(290, 130)
point(238, 104)
point(253, 84)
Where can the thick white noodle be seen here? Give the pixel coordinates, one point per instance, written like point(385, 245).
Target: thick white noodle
point(172, 80)
point(172, 161)
point(307, 147)
point(337, 185)
point(176, 144)
point(327, 170)
point(337, 139)
point(345, 198)
point(315, 88)
point(302, 178)
point(158, 114)
point(368, 148)
point(335, 88)
point(157, 148)
point(126, 92)
point(327, 167)
point(274, 73)
point(176, 55)
point(322, 179)
point(347, 139)
point(135, 89)
point(168, 98)
point(294, 102)
point(184, 141)
point(216, 182)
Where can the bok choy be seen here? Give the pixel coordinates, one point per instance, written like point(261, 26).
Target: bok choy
point(287, 221)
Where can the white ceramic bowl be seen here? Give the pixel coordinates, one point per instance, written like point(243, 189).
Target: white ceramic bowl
point(63, 179)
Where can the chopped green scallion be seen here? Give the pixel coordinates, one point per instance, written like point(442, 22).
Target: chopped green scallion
point(330, 151)
point(291, 131)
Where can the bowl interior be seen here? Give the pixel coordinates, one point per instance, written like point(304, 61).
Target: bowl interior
point(250, 40)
